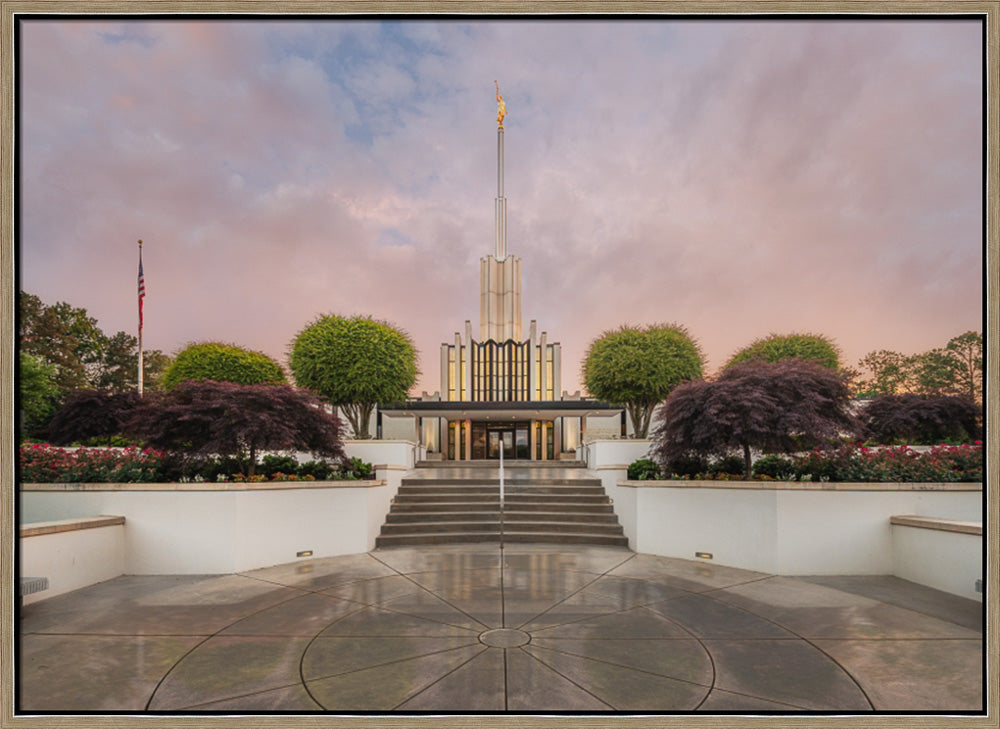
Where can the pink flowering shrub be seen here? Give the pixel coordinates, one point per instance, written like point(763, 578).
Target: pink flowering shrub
point(44, 463)
point(856, 463)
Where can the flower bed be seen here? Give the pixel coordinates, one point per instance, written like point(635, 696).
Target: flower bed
point(44, 463)
point(943, 463)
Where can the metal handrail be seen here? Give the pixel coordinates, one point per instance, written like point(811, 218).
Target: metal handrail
point(501, 494)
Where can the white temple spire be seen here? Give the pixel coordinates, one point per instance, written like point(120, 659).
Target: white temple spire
point(500, 253)
point(500, 274)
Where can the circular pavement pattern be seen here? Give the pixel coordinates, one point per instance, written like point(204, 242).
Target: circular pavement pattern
point(471, 628)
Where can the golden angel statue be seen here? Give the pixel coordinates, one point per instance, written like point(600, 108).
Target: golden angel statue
point(501, 106)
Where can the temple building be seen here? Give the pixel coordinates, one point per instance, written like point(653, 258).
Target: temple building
point(501, 392)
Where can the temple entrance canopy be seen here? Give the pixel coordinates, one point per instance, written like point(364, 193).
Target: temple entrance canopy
point(535, 431)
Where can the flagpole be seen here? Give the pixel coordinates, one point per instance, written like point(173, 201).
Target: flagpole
point(141, 295)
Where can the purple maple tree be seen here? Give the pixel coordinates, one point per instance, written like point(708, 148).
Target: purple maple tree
point(89, 414)
point(779, 406)
point(224, 418)
point(922, 418)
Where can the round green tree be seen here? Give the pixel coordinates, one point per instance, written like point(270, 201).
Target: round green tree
point(39, 393)
point(356, 363)
point(777, 347)
point(639, 367)
point(221, 362)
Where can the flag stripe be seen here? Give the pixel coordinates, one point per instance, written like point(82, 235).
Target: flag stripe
point(142, 290)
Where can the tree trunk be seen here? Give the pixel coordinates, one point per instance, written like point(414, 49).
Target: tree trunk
point(645, 421)
point(252, 465)
point(366, 414)
point(359, 416)
point(747, 462)
point(352, 418)
point(635, 414)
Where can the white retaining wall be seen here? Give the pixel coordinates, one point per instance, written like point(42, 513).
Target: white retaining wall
point(205, 528)
point(609, 460)
point(222, 528)
point(72, 553)
point(940, 557)
point(391, 458)
point(793, 528)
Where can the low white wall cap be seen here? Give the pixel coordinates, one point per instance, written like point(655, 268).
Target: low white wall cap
point(932, 522)
point(205, 486)
point(397, 441)
point(800, 485)
point(37, 529)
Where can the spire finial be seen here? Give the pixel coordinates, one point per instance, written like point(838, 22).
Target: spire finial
point(501, 106)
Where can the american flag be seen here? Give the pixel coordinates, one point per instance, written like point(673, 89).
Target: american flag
point(142, 289)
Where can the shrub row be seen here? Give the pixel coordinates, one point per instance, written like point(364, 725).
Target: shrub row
point(44, 463)
point(727, 468)
point(847, 464)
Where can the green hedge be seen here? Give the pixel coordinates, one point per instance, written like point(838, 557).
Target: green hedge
point(852, 463)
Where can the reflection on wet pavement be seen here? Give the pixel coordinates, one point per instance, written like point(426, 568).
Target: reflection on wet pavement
point(471, 628)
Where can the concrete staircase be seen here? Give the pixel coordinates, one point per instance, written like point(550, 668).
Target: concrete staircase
point(455, 503)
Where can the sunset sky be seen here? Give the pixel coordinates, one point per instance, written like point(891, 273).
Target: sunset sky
point(740, 177)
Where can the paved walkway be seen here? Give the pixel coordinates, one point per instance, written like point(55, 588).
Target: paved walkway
point(517, 471)
point(555, 629)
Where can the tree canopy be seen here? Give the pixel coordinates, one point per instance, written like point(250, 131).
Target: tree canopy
point(888, 372)
point(927, 419)
point(777, 347)
point(65, 336)
point(222, 362)
point(89, 414)
point(639, 367)
point(955, 369)
point(82, 355)
point(62, 350)
point(779, 406)
point(39, 394)
point(356, 363)
point(224, 418)
point(966, 353)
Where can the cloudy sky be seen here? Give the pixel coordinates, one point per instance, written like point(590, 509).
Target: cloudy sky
point(740, 177)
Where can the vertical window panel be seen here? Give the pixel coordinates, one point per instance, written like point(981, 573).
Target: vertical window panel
point(463, 361)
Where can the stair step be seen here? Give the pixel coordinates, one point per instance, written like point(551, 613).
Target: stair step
point(424, 527)
point(477, 537)
point(508, 481)
point(548, 507)
point(406, 498)
point(567, 499)
point(508, 527)
point(582, 489)
point(405, 517)
point(406, 540)
point(494, 498)
point(543, 506)
point(511, 465)
point(556, 528)
point(563, 538)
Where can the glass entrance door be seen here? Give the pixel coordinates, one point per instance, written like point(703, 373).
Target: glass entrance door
point(488, 438)
point(497, 439)
point(522, 442)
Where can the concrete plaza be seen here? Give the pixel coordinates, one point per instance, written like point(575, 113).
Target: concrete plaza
point(530, 628)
